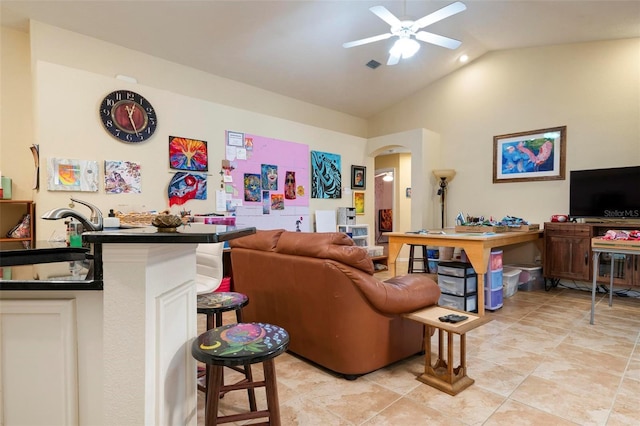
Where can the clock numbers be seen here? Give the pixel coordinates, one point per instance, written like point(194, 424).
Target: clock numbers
point(128, 116)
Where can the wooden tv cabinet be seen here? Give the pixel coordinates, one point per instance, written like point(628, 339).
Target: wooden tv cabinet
point(568, 254)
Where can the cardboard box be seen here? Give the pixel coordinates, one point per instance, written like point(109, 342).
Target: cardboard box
point(481, 228)
point(524, 228)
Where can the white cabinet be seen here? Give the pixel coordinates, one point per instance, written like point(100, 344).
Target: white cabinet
point(359, 233)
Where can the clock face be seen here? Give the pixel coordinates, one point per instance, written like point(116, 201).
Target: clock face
point(127, 116)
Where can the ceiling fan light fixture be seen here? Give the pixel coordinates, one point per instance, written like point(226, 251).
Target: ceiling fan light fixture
point(405, 47)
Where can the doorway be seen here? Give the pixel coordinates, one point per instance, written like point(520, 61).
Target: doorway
point(384, 202)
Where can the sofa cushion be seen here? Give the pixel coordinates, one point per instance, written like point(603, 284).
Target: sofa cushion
point(261, 240)
point(325, 245)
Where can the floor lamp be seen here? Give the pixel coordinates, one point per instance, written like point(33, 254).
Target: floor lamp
point(444, 176)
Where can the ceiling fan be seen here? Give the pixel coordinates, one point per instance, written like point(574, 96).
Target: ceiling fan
point(406, 46)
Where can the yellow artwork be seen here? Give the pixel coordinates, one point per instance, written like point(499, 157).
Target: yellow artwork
point(358, 201)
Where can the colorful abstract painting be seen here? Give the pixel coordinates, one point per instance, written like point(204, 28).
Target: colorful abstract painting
point(266, 207)
point(252, 187)
point(122, 177)
point(326, 178)
point(72, 175)
point(269, 175)
point(188, 154)
point(277, 202)
point(187, 186)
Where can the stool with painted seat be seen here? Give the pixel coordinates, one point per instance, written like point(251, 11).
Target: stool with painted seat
point(422, 259)
point(213, 305)
point(241, 345)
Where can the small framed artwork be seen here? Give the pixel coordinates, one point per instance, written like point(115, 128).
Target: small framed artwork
point(530, 156)
point(358, 177)
point(385, 220)
point(358, 202)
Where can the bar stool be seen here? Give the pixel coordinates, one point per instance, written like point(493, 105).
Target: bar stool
point(213, 305)
point(235, 345)
point(413, 259)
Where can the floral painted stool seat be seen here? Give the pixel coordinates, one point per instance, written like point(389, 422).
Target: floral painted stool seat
point(235, 345)
point(213, 305)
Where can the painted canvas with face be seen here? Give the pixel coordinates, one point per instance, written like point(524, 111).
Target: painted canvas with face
point(252, 187)
point(290, 185)
point(187, 186)
point(269, 174)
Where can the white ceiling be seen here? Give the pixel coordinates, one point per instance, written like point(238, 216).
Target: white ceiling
point(294, 47)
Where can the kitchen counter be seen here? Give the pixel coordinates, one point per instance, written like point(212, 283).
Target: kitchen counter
point(54, 266)
point(116, 356)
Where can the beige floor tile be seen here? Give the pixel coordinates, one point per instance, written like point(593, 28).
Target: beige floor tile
point(514, 413)
point(473, 406)
point(626, 409)
point(538, 362)
point(551, 397)
point(408, 412)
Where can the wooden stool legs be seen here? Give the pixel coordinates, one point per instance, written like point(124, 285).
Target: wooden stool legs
point(423, 259)
point(217, 388)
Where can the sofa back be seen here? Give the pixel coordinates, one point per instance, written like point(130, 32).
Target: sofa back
point(322, 245)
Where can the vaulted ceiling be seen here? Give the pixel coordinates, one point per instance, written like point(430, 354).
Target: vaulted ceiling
point(294, 48)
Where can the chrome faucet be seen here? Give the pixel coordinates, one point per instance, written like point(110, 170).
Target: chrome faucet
point(93, 224)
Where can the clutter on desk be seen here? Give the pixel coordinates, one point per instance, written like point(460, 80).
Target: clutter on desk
point(467, 223)
point(613, 234)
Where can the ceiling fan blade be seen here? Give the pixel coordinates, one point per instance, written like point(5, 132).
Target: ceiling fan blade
point(367, 40)
point(439, 15)
point(385, 15)
point(393, 59)
point(438, 40)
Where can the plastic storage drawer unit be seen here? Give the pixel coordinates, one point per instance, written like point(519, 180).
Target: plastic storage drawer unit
point(456, 269)
point(457, 285)
point(493, 299)
point(468, 303)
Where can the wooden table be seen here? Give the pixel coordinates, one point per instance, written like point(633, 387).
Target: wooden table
point(598, 245)
point(441, 374)
point(476, 246)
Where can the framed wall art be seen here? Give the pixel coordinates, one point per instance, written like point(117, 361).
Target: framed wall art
point(72, 175)
point(358, 202)
point(358, 177)
point(326, 177)
point(530, 156)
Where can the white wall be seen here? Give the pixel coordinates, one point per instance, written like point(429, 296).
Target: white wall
point(592, 88)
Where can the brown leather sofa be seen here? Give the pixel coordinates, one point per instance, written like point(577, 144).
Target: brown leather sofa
point(320, 287)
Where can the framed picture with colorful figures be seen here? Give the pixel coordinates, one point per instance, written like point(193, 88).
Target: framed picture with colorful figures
point(530, 156)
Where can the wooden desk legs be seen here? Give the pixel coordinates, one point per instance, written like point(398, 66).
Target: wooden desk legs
point(441, 374)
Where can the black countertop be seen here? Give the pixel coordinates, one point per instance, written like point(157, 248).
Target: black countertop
point(54, 266)
point(192, 233)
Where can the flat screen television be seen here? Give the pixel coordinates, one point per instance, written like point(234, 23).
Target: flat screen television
point(605, 193)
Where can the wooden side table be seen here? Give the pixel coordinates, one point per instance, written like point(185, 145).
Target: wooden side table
point(441, 374)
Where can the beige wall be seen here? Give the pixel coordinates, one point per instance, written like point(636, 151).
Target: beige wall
point(68, 88)
point(592, 88)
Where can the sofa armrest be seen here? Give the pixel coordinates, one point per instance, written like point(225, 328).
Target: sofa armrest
point(399, 295)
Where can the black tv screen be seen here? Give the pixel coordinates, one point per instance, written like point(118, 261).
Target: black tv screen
point(605, 193)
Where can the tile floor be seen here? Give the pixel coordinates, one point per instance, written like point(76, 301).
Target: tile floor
point(538, 362)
